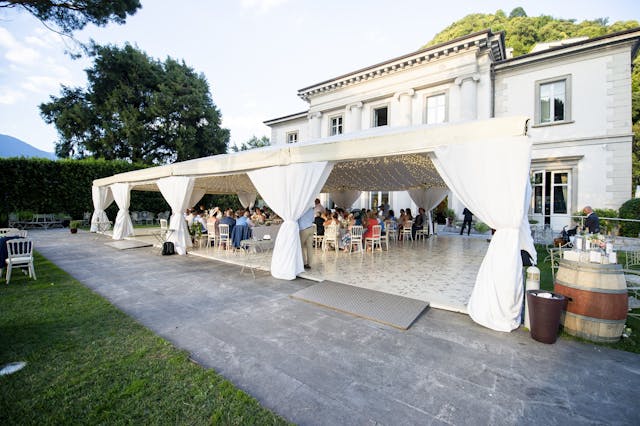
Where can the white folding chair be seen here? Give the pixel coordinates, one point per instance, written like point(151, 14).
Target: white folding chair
point(356, 238)
point(20, 255)
point(330, 236)
point(422, 233)
point(211, 236)
point(223, 236)
point(406, 231)
point(375, 238)
point(317, 239)
point(391, 230)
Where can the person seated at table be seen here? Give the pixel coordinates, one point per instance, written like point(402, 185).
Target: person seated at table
point(391, 218)
point(215, 213)
point(380, 220)
point(228, 220)
point(319, 221)
point(350, 222)
point(368, 224)
point(419, 223)
point(244, 219)
point(258, 217)
point(198, 219)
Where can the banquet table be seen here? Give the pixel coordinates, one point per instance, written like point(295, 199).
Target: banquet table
point(259, 232)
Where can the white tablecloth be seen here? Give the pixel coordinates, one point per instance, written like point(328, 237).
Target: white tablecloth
point(259, 232)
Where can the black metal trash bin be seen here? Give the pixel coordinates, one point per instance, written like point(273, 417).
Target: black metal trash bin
point(544, 314)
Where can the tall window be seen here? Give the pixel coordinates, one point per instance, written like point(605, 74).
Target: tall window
point(292, 137)
point(436, 109)
point(381, 116)
point(550, 193)
point(560, 192)
point(553, 101)
point(336, 126)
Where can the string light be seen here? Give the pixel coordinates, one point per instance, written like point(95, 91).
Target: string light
point(393, 173)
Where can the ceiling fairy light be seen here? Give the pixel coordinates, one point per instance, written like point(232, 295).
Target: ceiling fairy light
point(393, 173)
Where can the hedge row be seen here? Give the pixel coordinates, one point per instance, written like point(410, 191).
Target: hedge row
point(62, 187)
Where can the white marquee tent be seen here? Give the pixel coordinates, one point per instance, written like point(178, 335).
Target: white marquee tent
point(485, 163)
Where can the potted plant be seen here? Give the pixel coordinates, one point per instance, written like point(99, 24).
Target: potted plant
point(450, 214)
point(73, 226)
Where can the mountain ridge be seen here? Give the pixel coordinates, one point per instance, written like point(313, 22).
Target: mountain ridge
point(13, 147)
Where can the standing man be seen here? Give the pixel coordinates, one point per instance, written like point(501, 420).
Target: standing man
point(592, 222)
point(305, 224)
point(468, 217)
point(318, 208)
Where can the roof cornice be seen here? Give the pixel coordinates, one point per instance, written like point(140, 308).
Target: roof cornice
point(629, 36)
point(477, 40)
point(302, 114)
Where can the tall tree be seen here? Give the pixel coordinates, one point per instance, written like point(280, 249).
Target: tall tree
point(138, 109)
point(71, 15)
point(252, 143)
point(522, 32)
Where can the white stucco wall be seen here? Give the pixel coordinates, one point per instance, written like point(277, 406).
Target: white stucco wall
point(279, 131)
point(600, 125)
point(594, 145)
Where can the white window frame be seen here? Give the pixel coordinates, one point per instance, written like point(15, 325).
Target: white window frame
point(373, 114)
point(445, 96)
point(336, 129)
point(567, 101)
point(294, 134)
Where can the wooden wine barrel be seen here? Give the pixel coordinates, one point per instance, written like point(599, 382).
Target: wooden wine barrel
point(598, 299)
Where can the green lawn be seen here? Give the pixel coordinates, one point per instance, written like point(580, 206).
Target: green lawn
point(89, 363)
point(630, 344)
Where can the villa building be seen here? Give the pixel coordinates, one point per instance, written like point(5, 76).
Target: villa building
point(577, 94)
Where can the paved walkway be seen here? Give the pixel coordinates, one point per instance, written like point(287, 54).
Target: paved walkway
point(315, 366)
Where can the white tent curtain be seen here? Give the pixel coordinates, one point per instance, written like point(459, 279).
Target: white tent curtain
point(247, 199)
point(345, 198)
point(428, 199)
point(177, 190)
point(122, 196)
point(196, 195)
point(493, 184)
point(289, 191)
point(102, 198)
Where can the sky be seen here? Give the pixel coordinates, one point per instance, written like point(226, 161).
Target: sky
point(255, 54)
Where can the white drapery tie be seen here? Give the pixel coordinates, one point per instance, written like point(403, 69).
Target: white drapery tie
point(177, 191)
point(122, 196)
point(345, 198)
point(102, 198)
point(498, 196)
point(428, 199)
point(289, 191)
point(247, 199)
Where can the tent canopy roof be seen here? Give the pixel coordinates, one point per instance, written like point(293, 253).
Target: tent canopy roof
point(374, 159)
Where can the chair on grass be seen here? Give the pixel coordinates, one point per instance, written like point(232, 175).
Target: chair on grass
point(632, 272)
point(375, 238)
point(331, 236)
point(356, 239)
point(555, 255)
point(20, 255)
point(223, 236)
